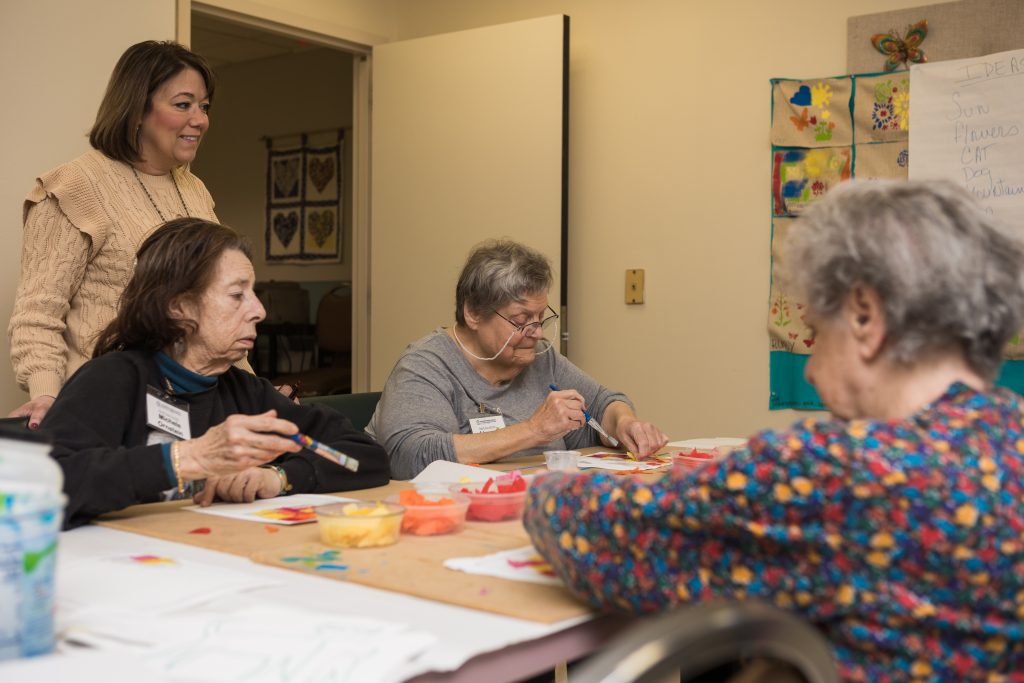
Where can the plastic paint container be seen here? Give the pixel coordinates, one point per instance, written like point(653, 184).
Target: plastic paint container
point(363, 524)
point(432, 513)
point(561, 460)
point(694, 459)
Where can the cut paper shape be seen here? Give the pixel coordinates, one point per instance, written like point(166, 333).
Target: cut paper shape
point(151, 559)
point(519, 564)
point(200, 530)
point(286, 510)
point(317, 560)
point(801, 177)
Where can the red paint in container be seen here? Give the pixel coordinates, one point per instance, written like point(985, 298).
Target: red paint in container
point(500, 498)
point(694, 459)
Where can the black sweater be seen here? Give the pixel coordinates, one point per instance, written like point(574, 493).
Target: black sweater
point(99, 427)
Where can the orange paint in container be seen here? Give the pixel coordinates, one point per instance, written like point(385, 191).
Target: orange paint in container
point(431, 514)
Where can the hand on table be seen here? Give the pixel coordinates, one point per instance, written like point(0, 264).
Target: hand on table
point(640, 438)
point(34, 410)
point(237, 444)
point(561, 413)
point(244, 487)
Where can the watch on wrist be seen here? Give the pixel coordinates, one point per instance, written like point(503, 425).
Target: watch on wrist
point(283, 476)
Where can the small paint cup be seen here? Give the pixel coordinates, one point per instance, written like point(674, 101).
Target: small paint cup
point(362, 524)
point(561, 460)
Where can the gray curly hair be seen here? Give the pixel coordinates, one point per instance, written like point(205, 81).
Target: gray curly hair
point(949, 275)
point(498, 272)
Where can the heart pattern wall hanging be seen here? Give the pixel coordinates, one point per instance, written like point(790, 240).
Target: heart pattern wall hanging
point(304, 203)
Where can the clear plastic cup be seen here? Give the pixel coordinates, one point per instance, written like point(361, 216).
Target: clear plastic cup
point(565, 461)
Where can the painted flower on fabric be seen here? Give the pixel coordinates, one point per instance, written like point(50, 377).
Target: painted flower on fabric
point(881, 117)
point(821, 95)
point(901, 108)
point(818, 188)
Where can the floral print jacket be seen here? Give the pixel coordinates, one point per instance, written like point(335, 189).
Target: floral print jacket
point(902, 540)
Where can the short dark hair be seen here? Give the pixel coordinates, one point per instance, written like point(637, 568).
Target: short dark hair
point(140, 71)
point(498, 272)
point(178, 260)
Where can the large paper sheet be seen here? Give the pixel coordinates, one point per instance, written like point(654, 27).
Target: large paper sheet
point(447, 472)
point(147, 582)
point(966, 125)
point(287, 510)
point(279, 645)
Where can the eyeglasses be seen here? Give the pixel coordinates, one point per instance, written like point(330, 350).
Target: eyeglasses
point(527, 328)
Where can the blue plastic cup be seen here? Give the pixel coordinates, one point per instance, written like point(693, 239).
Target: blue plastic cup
point(30, 519)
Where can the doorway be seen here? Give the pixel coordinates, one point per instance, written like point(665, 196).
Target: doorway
point(278, 92)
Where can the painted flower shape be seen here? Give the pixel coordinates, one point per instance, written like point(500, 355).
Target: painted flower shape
point(821, 95)
point(901, 108)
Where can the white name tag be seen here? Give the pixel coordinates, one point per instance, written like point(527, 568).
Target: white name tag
point(166, 414)
point(488, 423)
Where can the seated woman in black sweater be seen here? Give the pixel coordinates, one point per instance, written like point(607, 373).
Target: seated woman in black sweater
point(161, 405)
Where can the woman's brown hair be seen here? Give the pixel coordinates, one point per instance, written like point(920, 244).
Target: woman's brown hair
point(142, 69)
point(177, 261)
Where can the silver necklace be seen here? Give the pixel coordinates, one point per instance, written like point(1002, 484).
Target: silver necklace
point(150, 197)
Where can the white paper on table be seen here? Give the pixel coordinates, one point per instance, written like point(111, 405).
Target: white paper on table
point(447, 472)
point(262, 510)
point(148, 583)
point(282, 645)
point(616, 462)
point(708, 444)
point(520, 564)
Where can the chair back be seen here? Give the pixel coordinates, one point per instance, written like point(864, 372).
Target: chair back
point(334, 321)
point(696, 639)
point(356, 407)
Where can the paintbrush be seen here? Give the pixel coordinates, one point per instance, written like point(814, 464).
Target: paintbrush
point(594, 424)
point(335, 456)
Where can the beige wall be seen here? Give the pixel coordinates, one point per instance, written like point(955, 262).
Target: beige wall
point(669, 171)
point(668, 164)
point(55, 59)
point(302, 92)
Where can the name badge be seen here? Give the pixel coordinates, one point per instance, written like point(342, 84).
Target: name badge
point(488, 423)
point(167, 414)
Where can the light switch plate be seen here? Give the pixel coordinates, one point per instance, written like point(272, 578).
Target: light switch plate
point(635, 286)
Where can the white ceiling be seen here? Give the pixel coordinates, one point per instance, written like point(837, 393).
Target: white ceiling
point(223, 43)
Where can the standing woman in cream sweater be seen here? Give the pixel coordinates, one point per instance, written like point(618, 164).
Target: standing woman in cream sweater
point(84, 220)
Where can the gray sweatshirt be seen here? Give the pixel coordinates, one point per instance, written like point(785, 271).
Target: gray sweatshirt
point(433, 392)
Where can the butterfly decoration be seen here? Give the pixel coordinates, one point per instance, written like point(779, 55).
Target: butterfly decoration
point(800, 121)
point(900, 51)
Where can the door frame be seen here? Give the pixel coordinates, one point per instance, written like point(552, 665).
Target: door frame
point(360, 45)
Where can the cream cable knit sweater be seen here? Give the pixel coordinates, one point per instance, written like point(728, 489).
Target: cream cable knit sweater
point(83, 223)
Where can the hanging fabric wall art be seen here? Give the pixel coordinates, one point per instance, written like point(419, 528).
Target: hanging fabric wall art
point(824, 131)
point(304, 221)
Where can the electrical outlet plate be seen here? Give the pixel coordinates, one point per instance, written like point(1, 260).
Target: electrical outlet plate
point(635, 286)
